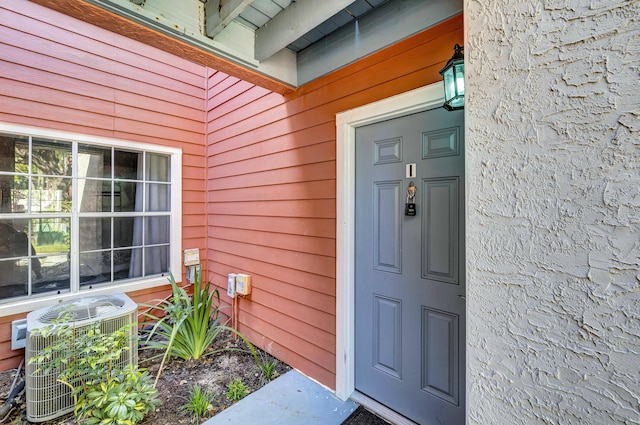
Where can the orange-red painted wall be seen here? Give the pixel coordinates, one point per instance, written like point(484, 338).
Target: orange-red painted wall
point(60, 73)
point(259, 179)
point(271, 194)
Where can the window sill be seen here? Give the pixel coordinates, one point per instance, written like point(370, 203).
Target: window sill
point(30, 304)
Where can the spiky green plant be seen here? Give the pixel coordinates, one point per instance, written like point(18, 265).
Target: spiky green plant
point(198, 402)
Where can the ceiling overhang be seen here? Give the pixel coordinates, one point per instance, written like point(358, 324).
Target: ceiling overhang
point(275, 44)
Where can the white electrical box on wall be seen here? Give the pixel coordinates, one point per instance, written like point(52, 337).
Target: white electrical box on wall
point(231, 285)
point(243, 284)
point(191, 257)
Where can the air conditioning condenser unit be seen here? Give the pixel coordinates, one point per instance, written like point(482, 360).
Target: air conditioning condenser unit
point(46, 398)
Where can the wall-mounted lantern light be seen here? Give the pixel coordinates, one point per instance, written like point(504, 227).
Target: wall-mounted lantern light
point(453, 75)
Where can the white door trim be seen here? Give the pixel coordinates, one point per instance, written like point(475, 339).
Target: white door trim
point(414, 101)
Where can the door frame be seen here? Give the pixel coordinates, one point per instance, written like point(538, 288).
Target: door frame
point(414, 101)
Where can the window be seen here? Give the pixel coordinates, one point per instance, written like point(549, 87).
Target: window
point(78, 214)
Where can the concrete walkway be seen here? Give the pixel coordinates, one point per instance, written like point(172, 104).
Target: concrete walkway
point(292, 399)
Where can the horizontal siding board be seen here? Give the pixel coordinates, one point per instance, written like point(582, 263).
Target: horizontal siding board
point(221, 86)
point(215, 79)
point(321, 152)
point(277, 288)
point(164, 106)
point(11, 363)
point(150, 129)
point(54, 66)
point(322, 356)
point(238, 112)
point(44, 122)
point(318, 189)
point(315, 208)
point(250, 94)
point(56, 98)
point(304, 173)
point(314, 333)
point(312, 282)
point(312, 316)
point(305, 137)
point(226, 95)
point(42, 78)
point(312, 227)
point(311, 263)
point(56, 113)
point(295, 243)
point(292, 358)
point(148, 115)
point(66, 42)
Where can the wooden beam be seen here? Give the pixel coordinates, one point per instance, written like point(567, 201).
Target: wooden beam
point(292, 23)
point(100, 17)
point(219, 13)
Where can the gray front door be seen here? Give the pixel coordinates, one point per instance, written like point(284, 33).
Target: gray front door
point(410, 277)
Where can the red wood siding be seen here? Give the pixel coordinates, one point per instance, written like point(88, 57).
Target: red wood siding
point(271, 191)
point(60, 73)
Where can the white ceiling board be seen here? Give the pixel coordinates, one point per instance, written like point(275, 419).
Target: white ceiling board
point(383, 26)
point(220, 13)
point(293, 22)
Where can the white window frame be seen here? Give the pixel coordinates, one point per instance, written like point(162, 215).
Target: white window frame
point(23, 305)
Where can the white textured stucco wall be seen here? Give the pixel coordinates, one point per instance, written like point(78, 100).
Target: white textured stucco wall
point(553, 173)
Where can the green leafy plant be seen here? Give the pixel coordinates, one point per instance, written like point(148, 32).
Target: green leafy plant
point(186, 325)
point(237, 390)
point(267, 366)
point(198, 403)
point(86, 360)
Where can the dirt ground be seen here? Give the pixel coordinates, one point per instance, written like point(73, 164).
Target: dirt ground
point(213, 372)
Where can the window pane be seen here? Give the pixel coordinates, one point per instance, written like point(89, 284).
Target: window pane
point(51, 158)
point(124, 196)
point(13, 279)
point(156, 260)
point(156, 230)
point(123, 232)
point(14, 238)
point(157, 168)
point(14, 153)
point(95, 267)
point(158, 197)
point(127, 263)
point(127, 165)
point(94, 161)
point(55, 274)
point(51, 235)
point(51, 194)
point(94, 195)
point(96, 233)
point(14, 193)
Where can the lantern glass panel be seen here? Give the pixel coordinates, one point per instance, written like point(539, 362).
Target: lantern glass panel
point(449, 84)
point(459, 70)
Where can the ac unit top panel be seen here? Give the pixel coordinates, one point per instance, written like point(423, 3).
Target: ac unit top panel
point(98, 307)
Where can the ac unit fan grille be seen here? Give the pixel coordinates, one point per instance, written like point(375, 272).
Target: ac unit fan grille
point(83, 309)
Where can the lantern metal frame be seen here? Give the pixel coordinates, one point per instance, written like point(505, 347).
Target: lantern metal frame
point(453, 76)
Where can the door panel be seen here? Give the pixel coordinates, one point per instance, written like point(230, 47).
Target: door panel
point(440, 224)
point(409, 291)
point(387, 334)
point(440, 354)
point(387, 230)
